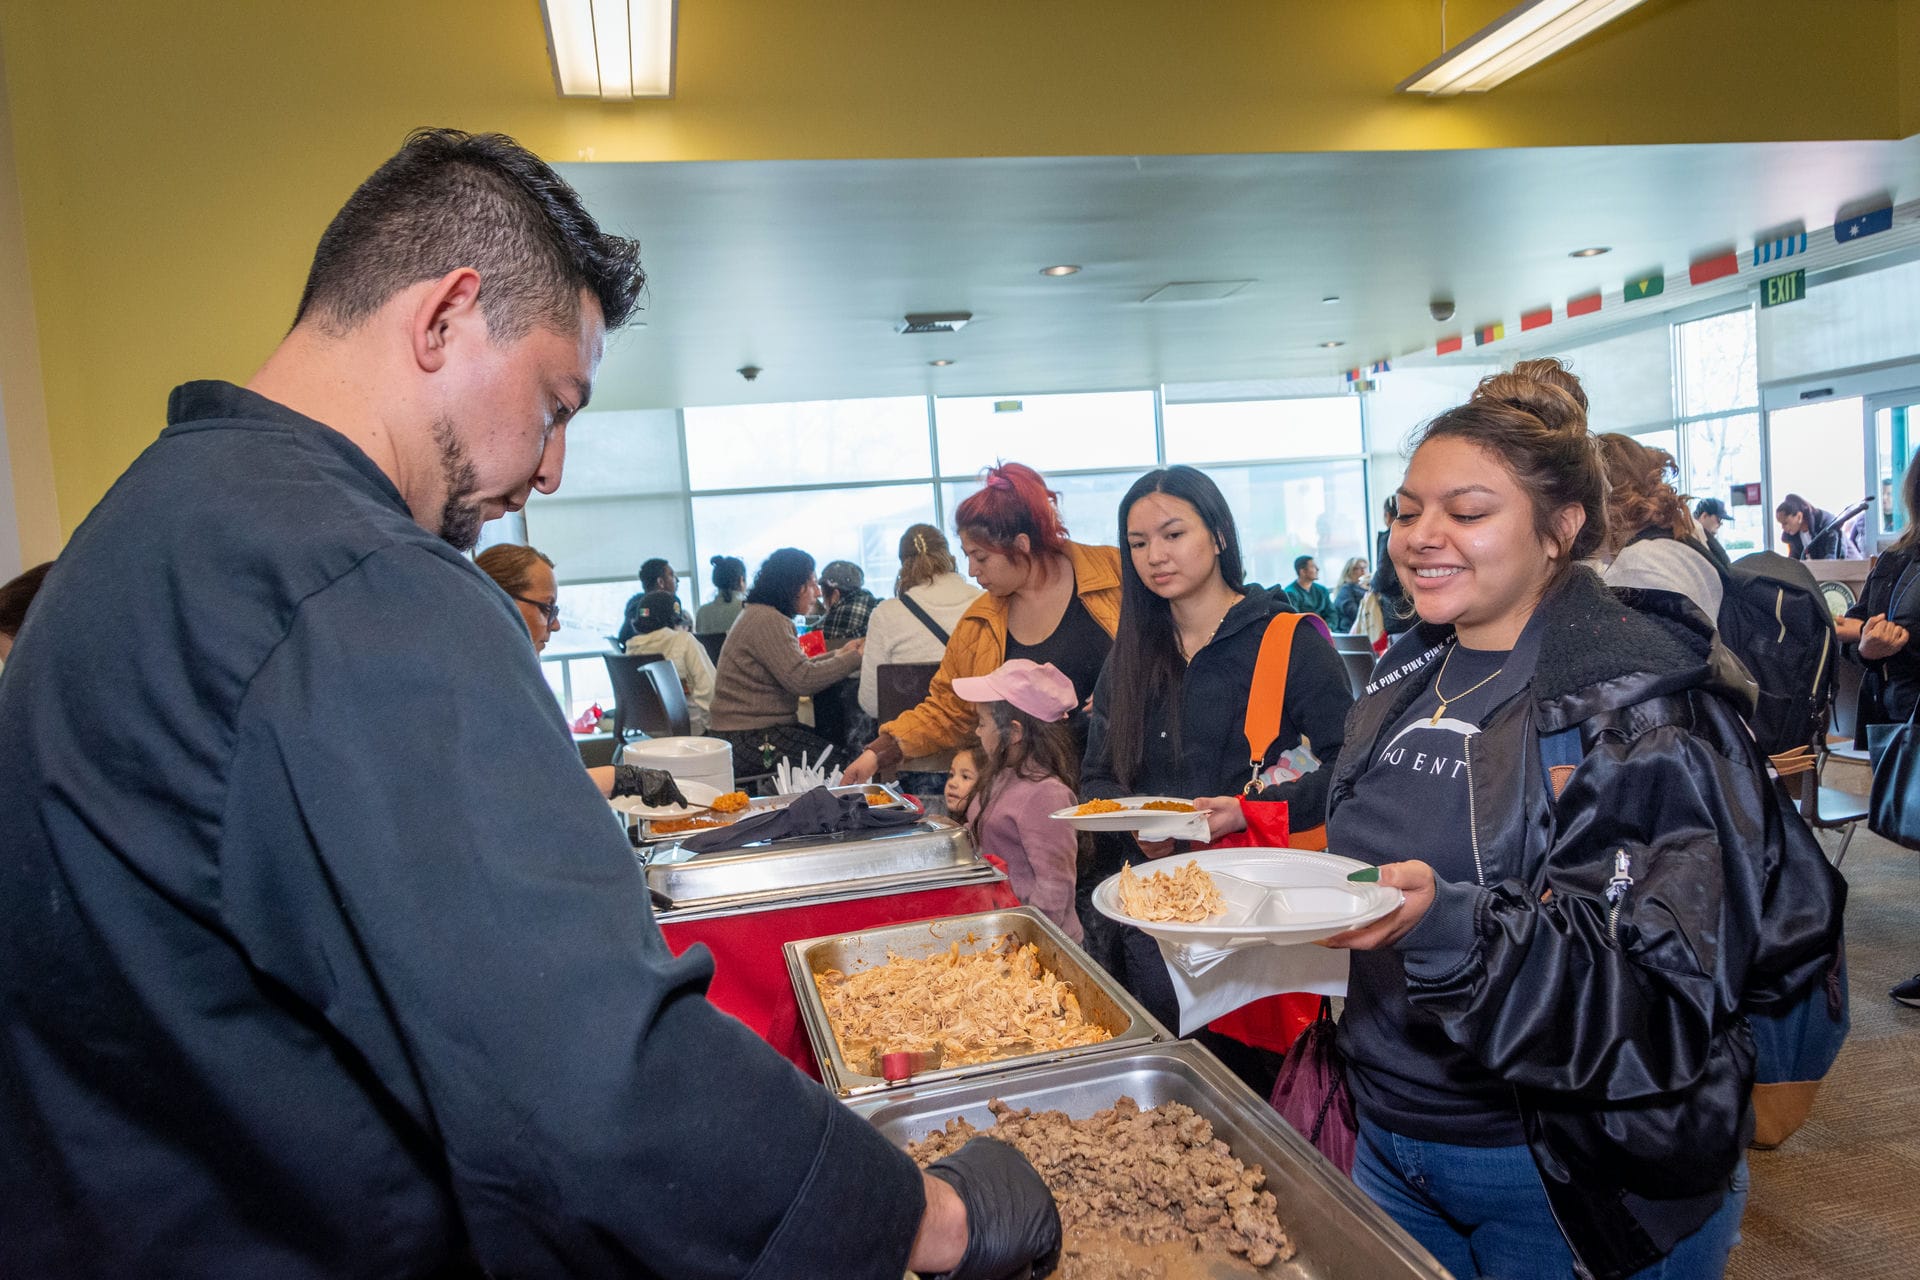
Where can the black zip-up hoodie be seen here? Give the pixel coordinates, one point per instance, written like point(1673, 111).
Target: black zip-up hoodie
point(1617, 1018)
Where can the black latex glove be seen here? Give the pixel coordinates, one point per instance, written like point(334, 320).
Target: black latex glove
point(655, 787)
point(1013, 1226)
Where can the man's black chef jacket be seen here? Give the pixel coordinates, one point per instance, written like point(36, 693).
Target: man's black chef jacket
point(320, 955)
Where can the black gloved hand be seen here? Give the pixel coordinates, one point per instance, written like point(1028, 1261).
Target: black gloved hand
point(1013, 1226)
point(655, 787)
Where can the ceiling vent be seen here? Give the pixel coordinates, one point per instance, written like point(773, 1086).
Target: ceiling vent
point(934, 322)
point(1196, 291)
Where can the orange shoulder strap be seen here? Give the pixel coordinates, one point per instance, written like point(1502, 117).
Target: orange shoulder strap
point(1268, 695)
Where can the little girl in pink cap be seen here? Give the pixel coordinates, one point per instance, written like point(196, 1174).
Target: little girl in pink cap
point(1031, 769)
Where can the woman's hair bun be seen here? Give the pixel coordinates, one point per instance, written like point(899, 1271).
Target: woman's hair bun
point(1544, 388)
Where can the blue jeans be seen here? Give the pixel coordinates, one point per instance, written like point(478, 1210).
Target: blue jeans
point(1483, 1212)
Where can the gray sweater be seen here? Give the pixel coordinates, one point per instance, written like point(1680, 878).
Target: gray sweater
point(763, 673)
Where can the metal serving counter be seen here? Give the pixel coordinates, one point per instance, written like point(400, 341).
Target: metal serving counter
point(1102, 1000)
point(1339, 1233)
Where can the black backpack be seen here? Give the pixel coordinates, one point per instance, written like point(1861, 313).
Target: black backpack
point(1774, 619)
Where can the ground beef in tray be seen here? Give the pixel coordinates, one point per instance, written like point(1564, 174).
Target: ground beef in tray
point(1153, 1177)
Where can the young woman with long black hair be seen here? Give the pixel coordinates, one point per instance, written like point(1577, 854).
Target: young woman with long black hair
point(1547, 1042)
point(1170, 709)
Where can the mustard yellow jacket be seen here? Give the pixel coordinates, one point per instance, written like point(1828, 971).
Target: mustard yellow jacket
point(978, 646)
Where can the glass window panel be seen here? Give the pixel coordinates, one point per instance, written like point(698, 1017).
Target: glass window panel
point(1724, 454)
point(1667, 438)
point(587, 676)
point(1719, 364)
point(598, 538)
point(752, 446)
point(1089, 505)
point(1628, 379)
point(1284, 510)
point(591, 613)
point(1896, 430)
point(861, 525)
point(621, 452)
point(1843, 324)
point(1408, 398)
point(1245, 430)
point(1819, 452)
point(1112, 428)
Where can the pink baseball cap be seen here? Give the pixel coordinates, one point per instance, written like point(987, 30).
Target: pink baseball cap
point(1041, 690)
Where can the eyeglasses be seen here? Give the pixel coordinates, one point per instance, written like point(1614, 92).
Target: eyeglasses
point(550, 611)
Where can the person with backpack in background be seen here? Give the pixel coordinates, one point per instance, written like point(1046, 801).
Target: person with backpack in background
point(1547, 1041)
point(1650, 540)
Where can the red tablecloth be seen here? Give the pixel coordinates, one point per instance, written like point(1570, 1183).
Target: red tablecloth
point(750, 972)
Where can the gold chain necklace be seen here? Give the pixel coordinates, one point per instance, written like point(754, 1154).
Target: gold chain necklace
point(1444, 699)
point(1211, 634)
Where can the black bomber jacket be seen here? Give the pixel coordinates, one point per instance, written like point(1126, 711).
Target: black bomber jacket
point(1605, 961)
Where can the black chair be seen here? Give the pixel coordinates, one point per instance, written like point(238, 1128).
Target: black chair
point(1359, 670)
point(631, 692)
point(664, 715)
point(902, 686)
point(1344, 643)
point(1801, 774)
point(712, 642)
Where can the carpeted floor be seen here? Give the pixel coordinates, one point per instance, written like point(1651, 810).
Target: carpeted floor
point(1841, 1198)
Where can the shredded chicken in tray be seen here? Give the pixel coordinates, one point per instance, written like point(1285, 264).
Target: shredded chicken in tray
point(1187, 894)
point(991, 1004)
point(1142, 1178)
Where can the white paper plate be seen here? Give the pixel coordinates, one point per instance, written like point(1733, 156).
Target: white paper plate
point(1289, 896)
point(699, 794)
point(1154, 824)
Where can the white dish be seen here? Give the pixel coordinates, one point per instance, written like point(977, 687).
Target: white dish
point(699, 795)
point(1158, 824)
point(1277, 896)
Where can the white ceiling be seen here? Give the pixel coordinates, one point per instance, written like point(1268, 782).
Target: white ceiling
point(803, 267)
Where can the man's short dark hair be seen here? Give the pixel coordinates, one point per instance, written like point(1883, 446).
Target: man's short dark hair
point(652, 573)
point(449, 199)
point(1300, 564)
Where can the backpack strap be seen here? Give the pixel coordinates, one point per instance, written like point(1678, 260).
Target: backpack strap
point(926, 619)
point(1266, 698)
point(1560, 755)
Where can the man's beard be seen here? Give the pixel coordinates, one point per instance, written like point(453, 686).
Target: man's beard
point(460, 516)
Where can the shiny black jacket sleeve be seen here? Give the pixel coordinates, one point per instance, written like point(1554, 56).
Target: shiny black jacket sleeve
point(1605, 973)
point(447, 893)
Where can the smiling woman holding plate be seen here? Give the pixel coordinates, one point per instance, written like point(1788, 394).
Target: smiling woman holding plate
point(1546, 1040)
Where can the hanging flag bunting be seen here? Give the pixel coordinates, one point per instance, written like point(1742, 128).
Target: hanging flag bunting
point(1353, 375)
point(1489, 333)
point(1866, 224)
point(1784, 247)
point(1447, 346)
point(1646, 287)
point(1713, 268)
point(1583, 306)
point(1536, 319)
point(1381, 366)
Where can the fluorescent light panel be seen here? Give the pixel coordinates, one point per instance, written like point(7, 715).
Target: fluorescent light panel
point(1504, 48)
point(614, 50)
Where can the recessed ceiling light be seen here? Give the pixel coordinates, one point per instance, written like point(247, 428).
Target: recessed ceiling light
point(1331, 345)
point(1064, 269)
point(939, 364)
point(1330, 299)
point(1592, 251)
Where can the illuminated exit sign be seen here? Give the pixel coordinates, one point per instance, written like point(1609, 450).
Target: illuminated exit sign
point(1790, 287)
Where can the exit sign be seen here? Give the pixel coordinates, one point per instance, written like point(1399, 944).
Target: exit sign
point(1790, 287)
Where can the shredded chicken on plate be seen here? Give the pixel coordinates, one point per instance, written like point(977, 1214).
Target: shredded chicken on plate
point(991, 1004)
point(1186, 894)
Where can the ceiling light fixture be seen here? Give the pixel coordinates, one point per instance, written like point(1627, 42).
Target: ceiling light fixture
point(1330, 345)
point(1591, 251)
point(1330, 299)
point(939, 364)
point(615, 50)
point(1064, 269)
point(1525, 35)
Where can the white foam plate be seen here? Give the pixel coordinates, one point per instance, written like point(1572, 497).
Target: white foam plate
point(1154, 824)
point(699, 794)
point(1277, 896)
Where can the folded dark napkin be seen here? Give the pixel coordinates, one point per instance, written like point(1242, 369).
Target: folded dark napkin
point(818, 812)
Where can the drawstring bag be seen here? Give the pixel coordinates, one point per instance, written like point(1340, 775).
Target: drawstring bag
point(1272, 1022)
point(1311, 1091)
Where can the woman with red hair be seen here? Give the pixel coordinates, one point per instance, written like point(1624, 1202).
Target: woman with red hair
point(1044, 597)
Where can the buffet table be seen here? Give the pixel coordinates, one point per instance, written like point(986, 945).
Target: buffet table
point(750, 978)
